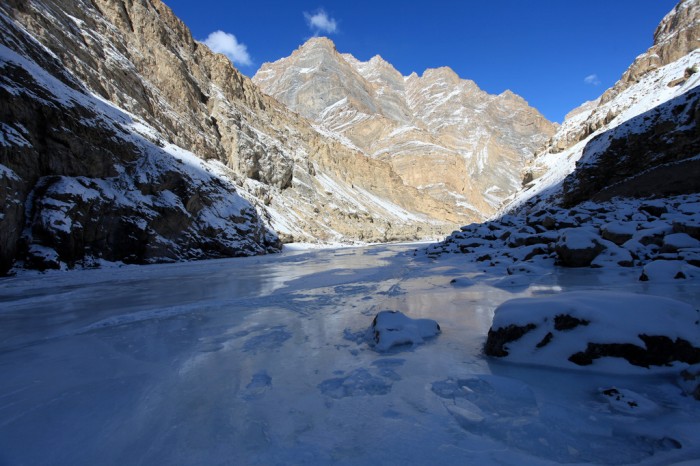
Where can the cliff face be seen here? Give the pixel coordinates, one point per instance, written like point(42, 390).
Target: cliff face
point(441, 134)
point(640, 139)
point(145, 90)
point(82, 181)
point(677, 35)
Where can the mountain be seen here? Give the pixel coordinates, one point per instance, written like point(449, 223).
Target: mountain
point(440, 133)
point(619, 184)
point(640, 138)
point(123, 139)
point(675, 37)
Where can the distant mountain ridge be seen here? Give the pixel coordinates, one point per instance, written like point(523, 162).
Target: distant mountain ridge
point(440, 133)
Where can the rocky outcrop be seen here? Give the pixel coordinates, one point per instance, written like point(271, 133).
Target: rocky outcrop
point(441, 134)
point(157, 86)
point(646, 147)
point(650, 154)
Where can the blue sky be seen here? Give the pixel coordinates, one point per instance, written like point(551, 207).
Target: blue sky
point(554, 53)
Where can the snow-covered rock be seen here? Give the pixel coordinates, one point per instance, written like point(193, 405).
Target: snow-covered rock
point(600, 331)
point(666, 270)
point(521, 239)
point(394, 328)
point(577, 247)
point(628, 402)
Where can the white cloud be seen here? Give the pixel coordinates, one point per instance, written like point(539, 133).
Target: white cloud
point(592, 79)
point(321, 22)
point(223, 42)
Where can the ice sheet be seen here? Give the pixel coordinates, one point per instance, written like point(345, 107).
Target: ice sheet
point(260, 361)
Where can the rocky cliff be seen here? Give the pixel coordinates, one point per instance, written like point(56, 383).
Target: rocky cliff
point(102, 98)
point(641, 138)
point(626, 195)
point(441, 134)
point(676, 36)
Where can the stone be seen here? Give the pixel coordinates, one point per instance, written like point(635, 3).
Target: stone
point(577, 247)
point(394, 328)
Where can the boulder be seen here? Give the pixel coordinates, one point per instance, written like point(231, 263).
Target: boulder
point(577, 247)
point(618, 232)
point(394, 328)
point(603, 331)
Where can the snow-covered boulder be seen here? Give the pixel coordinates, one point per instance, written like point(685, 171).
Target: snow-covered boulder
point(689, 225)
point(577, 247)
point(394, 328)
point(604, 331)
point(665, 270)
point(613, 255)
point(676, 241)
point(619, 232)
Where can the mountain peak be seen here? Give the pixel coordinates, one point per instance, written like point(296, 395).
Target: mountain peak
point(424, 127)
point(443, 72)
point(318, 42)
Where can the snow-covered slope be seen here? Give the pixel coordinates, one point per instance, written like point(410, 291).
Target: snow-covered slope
point(442, 134)
point(655, 124)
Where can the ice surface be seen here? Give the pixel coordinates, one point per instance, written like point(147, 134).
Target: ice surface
point(257, 361)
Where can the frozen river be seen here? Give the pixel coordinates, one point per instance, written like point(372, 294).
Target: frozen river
point(262, 360)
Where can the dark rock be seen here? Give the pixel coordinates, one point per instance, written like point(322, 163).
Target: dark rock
point(545, 341)
point(567, 322)
point(497, 339)
point(616, 237)
point(690, 380)
point(659, 350)
point(690, 226)
point(655, 209)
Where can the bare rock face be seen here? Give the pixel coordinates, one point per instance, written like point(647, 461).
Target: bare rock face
point(441, 134)
point(141, 75)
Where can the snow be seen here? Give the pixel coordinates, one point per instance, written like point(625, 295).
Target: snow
point(681, 240)
point(612, 317)
point(579, 238)
point(264, 359)
point(10, 136)
point(394, 328)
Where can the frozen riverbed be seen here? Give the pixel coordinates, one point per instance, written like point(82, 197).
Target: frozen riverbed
point(261, 361)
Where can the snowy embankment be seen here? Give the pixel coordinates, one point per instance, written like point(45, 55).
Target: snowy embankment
point(654, 242)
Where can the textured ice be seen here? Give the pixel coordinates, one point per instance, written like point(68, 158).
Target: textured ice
point(263, 360)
